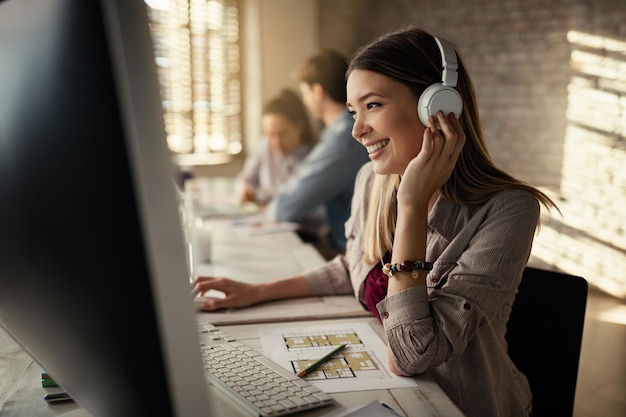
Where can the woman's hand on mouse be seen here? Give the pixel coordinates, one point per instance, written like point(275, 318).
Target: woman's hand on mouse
point(236, 294)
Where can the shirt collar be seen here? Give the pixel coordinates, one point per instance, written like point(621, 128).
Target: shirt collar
point(443, 216)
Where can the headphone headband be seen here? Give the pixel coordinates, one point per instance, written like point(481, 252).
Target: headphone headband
point(449, 74)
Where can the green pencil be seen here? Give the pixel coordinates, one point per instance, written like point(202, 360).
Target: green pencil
point(321, 360)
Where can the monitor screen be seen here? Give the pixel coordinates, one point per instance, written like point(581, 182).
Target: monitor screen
point(93, 278)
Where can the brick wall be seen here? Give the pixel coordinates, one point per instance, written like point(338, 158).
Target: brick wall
point(551, 85)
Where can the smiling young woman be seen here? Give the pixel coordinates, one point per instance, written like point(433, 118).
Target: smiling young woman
point(438, 235)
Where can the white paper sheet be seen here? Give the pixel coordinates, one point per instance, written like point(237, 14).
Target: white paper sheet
point(359, 367)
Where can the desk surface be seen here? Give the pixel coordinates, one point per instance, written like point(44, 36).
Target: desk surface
point(21, 393)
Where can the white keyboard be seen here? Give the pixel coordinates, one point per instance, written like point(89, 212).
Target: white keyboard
point(255, 382)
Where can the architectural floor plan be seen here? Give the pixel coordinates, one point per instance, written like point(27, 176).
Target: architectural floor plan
point(361, 363)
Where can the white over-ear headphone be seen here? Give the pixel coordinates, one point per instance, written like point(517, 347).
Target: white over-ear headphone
point(442, 96)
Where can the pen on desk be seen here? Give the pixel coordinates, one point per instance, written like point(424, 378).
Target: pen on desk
point(320, 361)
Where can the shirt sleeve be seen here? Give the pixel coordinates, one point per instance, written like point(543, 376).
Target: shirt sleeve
point(332, 278)
point(472, 285)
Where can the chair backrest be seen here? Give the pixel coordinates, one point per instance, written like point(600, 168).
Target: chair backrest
point(544, 334)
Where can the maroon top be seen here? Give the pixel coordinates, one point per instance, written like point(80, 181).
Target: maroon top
point(375, 288)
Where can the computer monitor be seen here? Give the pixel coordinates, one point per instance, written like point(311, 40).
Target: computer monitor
point(93, 277)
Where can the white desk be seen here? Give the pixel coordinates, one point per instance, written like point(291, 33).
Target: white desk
point(255, 257)
point(21, 393)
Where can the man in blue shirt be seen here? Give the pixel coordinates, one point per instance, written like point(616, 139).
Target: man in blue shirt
point(326, 176)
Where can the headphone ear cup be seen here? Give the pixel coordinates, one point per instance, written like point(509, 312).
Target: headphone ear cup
point(439, 97)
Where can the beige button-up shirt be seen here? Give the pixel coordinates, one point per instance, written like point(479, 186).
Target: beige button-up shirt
point(453, 329)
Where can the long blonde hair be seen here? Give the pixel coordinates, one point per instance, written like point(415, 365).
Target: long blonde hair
point(412, 57)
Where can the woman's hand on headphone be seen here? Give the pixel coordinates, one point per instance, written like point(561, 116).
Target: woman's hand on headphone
point(433, 165)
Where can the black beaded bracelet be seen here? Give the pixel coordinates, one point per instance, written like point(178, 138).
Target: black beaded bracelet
point(410, 266)
point(407, 266)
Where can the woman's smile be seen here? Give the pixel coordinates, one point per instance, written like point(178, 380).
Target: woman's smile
point(376, 146)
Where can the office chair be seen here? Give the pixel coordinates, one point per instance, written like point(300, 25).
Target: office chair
point(544, 334)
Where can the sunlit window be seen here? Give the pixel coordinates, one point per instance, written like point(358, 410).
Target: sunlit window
point(198, 59)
